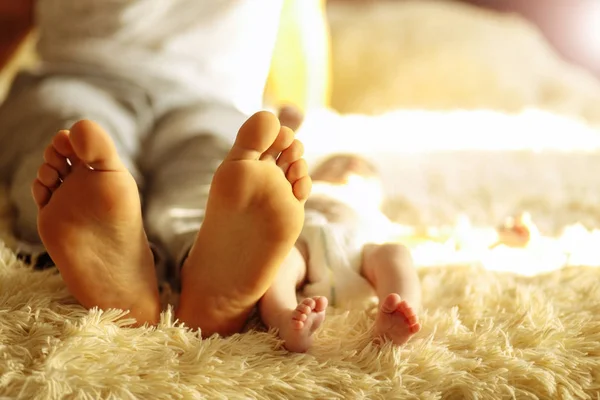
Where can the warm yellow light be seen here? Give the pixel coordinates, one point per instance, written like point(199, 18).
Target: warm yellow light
point(575, 247)
point(362, 194)
point(404, 132)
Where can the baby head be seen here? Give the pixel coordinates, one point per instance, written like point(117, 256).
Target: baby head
point(339, 168)
point(349, 178)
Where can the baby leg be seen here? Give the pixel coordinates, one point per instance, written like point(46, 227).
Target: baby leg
point(389, 268)
point(279, 307)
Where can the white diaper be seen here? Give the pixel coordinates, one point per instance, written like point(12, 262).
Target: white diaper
point(335, 257)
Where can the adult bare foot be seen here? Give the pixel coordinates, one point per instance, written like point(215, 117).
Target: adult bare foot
point(299, 325)
point(396, 320)
point(253, 217)
point(91, 224)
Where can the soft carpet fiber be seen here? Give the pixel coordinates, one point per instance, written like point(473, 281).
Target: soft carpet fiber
point(486, 336)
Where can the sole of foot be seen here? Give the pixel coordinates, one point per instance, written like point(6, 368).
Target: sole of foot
point(396, 320)
point(90, 222)
point(254, 215)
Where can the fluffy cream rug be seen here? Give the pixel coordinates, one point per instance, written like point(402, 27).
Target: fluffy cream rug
point(486, 336)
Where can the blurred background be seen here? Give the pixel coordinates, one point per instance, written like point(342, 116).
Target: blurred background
point(571, 26)
point(372, 56)
point(439, 54)
point(483, 107)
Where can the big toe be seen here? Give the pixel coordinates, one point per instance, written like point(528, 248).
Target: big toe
point(391, 302)
point(255, 137)
point(94, 147)
point(320, 303)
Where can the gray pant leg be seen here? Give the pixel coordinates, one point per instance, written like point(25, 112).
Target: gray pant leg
point(180, 160)
point(35, 109)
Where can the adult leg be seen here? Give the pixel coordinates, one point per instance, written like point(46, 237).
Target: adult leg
point(177, 157)
point(181, 157)
point(199, 124)
point(85, 200)
point(187, 147)
point(34, 111)
point(253, 210)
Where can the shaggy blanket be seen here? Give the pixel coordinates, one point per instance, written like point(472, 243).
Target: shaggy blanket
point(486, 335)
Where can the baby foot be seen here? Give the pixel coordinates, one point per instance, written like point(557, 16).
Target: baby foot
point(301, 323)
point(253, 217)
point(396, 320)
point(91, 224)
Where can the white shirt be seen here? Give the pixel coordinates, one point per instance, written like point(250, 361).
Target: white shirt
point(218, 48)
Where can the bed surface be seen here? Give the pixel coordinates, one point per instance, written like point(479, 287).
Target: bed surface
point(486, 334)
